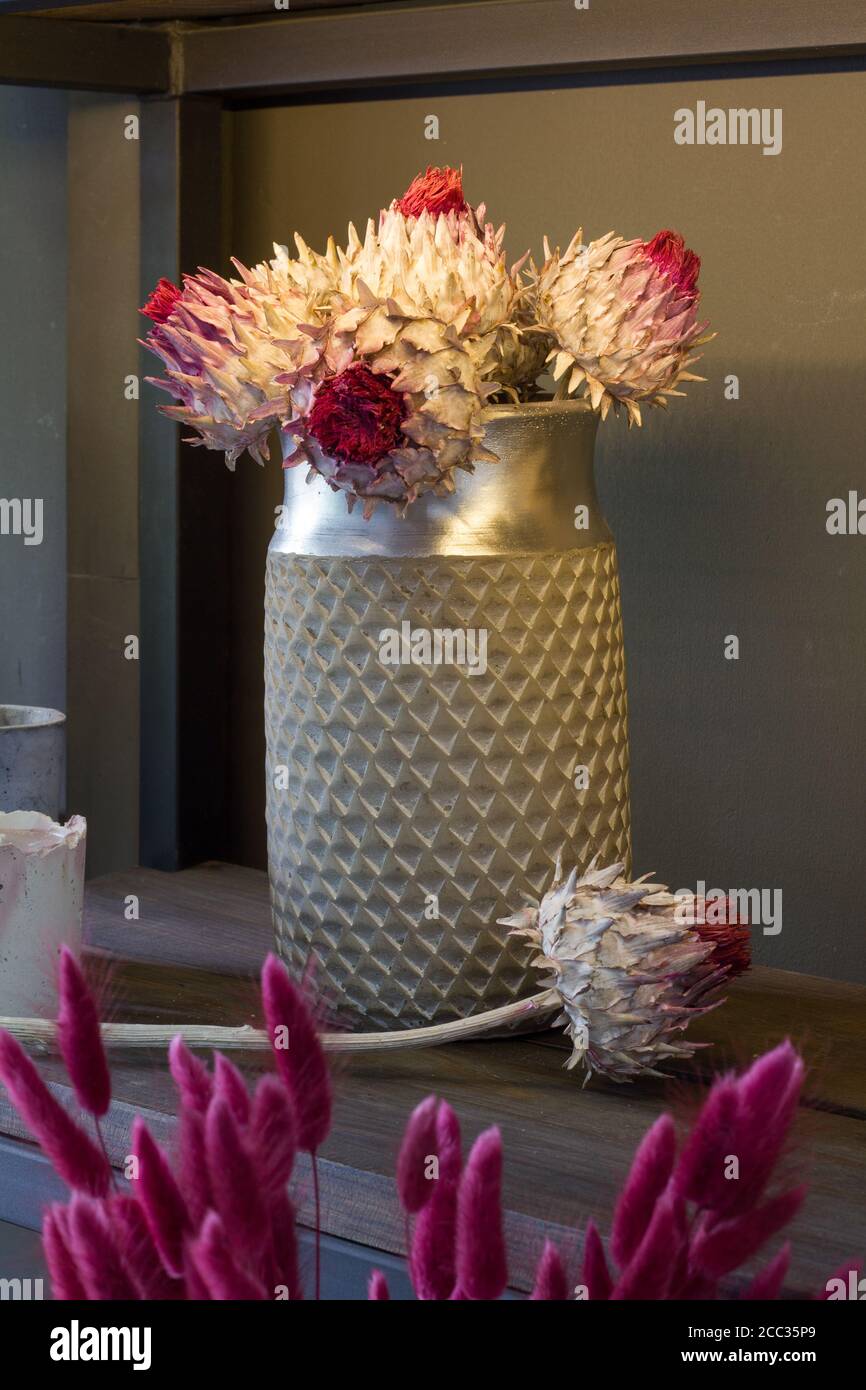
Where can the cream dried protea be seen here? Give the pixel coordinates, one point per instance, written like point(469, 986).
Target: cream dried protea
point(631, 963)
point(426, 304)
point(623, 319)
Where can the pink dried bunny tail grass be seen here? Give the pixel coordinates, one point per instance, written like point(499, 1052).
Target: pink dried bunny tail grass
point(192, 1078)
point(448, 1143)
point(226, 1228)
point(767, 1284)
point(234, 1182)
point(303, 1067)
point(97, 1256)
point(551, 1279)
point(747, 1117)
point(213, 1260)
point(298, 1053)
point(66, 1281)
point(284, 1237)
point(191, 1166)
point(80, 1039)
point(164, 1206)
point(665, 1253)
point(76, 1158)
point(595, 1275)
point(432, 1257)
point(377, 1288)
point(700, 1170)
point(141, 1256)
point(273, 1132)
point(720, 1247)
point(230, 1085)
point(418, 1146)
point(651, 1271)
point(650, 1171)
point(482, 1270)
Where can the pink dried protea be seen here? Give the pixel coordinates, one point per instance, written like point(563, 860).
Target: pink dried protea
point(622, 316)
point(631, 968)
point(240, 355)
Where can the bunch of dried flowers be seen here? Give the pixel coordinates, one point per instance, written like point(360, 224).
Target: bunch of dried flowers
point(376, 360)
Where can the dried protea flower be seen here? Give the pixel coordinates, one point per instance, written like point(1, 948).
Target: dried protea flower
point(426, 300)
point(240, 354)
point(426, 303)
point(630, 970)
point(623, 319)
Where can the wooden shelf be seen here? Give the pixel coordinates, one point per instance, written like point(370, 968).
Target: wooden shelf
point(194, 954)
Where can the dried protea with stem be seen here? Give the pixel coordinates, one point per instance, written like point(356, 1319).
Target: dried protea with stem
point(626, 967)
point(630, 965)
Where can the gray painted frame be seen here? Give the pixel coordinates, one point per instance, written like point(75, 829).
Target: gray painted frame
point(183, 520)
point(417, 42)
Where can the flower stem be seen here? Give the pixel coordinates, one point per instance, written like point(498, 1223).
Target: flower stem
point(318, 1227)
point(40, 1035)
point(101, 1137)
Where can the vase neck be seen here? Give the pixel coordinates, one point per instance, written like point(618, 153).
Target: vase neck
point(540, 496)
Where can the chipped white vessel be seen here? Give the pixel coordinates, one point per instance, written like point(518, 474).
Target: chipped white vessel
point(41, 897)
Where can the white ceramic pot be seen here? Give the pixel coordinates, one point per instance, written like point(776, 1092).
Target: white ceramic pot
point(41, 899)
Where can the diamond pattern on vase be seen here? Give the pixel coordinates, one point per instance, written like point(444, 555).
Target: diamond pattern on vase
point(404, 781)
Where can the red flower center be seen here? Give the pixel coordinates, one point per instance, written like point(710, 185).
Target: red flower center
point(669, 252)
point(718, 926)
point(161, 302)
point(437, 191)
point(356, 416)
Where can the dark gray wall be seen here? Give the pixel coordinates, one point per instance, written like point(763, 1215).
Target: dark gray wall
point(33, 392)
point(746, 773)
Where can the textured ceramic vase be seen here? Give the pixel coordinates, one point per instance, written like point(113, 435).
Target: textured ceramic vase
point(419, 786)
